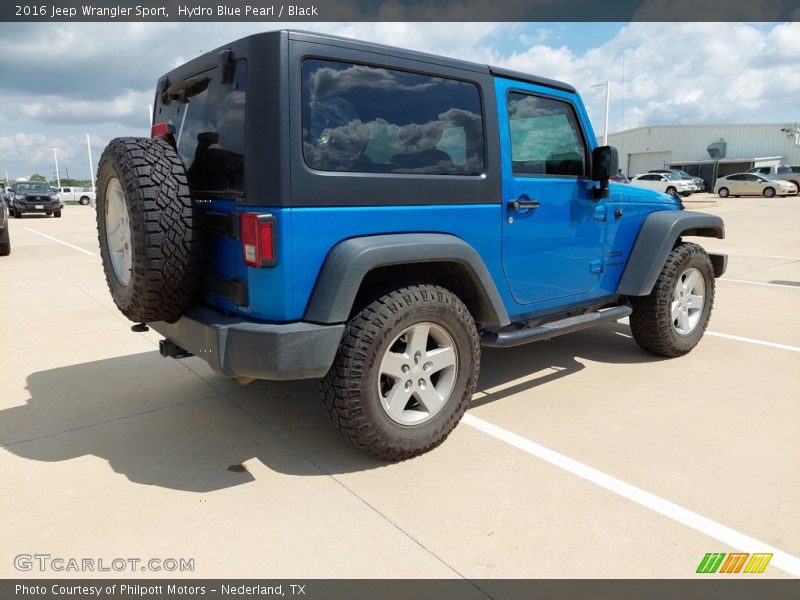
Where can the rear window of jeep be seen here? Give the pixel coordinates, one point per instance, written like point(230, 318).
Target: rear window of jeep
point(376, 120)
point(208, 117)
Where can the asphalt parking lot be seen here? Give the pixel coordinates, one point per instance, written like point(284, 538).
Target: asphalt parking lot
point(579, 457)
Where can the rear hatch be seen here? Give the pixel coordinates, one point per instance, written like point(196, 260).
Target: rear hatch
point(205, 115)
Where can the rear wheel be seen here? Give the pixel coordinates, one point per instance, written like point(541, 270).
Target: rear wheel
point(723, 192)
point(405, 372)
point(769, 192)
point(148, 229)
point(84, 200)
point(671, 320)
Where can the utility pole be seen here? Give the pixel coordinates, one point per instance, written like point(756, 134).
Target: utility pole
point(91, 168)
point(58, 177)
point(607, 85)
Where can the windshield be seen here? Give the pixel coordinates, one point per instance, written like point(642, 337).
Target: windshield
point(683, 174)
point(38, 188)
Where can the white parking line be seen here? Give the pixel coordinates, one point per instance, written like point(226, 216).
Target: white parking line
point(739, 338)
point(778, 285)
point(784, 561)
point(50, 237)
point(763, 256)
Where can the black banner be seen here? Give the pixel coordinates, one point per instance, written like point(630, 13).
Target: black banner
point(710, 588)
point(401, 10)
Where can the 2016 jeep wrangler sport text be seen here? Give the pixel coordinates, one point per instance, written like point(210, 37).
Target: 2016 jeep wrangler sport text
point(315, 207)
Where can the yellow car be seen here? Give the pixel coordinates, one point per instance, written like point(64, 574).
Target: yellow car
point(752, 184)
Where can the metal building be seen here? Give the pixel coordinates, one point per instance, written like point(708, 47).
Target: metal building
point(708, 151)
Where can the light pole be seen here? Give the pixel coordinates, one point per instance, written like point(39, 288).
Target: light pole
point(58, 177)
point(607, 85)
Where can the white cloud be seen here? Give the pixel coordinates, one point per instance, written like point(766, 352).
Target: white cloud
point(61, 80)
point(682, 72)
point(51, 108)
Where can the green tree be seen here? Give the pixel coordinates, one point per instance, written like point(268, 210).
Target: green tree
point(36, 177)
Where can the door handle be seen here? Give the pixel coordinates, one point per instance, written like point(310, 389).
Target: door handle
point(518, 204)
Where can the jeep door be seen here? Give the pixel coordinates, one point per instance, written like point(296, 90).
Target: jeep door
point(552, 228)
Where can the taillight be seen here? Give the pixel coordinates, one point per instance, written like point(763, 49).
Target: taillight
point(162, 130)
point(258, 240)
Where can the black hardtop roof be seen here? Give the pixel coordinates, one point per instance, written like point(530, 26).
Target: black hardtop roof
point(209, 59)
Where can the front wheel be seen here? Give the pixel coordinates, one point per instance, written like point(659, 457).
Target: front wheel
point(57, 214)
point(405, 372)
point(769, 192)
point(671, 320)
point(723, 192)
point(672, 191)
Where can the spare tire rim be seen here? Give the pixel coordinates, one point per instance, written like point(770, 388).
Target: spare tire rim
point(417, 374)
point(688, 300)
point(118, 232)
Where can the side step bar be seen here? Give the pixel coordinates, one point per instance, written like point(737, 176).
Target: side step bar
point(507, 339)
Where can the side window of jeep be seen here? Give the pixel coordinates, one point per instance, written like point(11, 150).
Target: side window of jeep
point(375, 120)
point(546, 137)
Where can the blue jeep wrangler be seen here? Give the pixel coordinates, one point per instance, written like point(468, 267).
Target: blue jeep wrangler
point(316, 207)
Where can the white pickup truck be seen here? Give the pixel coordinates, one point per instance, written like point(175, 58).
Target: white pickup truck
point(78, 194)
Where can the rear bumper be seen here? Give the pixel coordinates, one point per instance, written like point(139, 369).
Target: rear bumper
point(239, 348)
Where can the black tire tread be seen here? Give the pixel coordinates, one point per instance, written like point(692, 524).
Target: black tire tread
point(651, 330)
point(164, 227)
point(5, 242)
point(339, 388)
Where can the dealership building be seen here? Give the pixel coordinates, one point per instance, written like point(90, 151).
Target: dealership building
point(707, 151)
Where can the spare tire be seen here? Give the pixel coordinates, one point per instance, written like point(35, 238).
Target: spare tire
point(148, 229)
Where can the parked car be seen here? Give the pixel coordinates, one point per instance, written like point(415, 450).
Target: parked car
point(5, 237)
point(786, 172)
point(33, 197)
point(668, 183)
point(752, 184)
point(407, 209)
point(700, 185)
point(75, 194)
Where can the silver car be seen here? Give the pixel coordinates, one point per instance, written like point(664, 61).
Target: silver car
point(668, 183)
point(753, 184)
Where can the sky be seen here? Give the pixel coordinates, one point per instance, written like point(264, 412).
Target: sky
point(60, 81)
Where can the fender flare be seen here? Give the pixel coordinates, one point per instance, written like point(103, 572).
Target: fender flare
point(349, 261)
point(657, 236)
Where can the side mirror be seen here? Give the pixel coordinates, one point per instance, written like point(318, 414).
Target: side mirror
point(605, 163)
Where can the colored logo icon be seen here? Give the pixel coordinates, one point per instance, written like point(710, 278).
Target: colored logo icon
point(736, 562)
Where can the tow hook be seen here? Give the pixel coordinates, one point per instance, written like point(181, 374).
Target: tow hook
point(170, 349)
point(139, 328)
